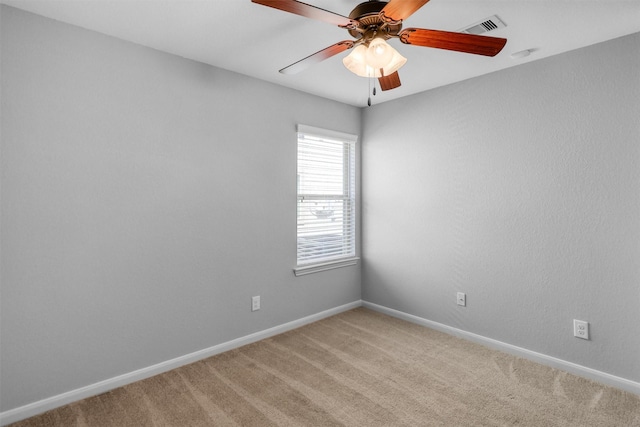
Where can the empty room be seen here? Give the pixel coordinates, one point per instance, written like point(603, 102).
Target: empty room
point(329, 213)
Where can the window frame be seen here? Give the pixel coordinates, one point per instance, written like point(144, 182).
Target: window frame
point(348, 198)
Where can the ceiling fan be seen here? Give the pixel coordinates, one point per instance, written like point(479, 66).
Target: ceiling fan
point(372, 23)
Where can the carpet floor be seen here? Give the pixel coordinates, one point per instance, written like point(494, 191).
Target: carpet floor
point(358, 368)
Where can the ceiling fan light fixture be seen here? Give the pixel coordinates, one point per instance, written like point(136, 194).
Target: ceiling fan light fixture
point(396, 62)
point(355, 61)
point(379, 53)
point(358, 60)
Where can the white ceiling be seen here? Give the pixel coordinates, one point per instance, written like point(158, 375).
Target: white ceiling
point(257, 41)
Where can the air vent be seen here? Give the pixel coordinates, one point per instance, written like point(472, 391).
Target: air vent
point(486, 25)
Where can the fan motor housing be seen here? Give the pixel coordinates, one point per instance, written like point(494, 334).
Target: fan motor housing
point(369, 21)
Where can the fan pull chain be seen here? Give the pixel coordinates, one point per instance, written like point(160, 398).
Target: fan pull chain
point(370, 91)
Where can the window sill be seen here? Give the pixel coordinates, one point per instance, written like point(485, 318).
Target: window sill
point(329, 265)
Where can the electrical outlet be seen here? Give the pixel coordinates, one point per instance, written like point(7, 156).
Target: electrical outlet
point(255, 303)
point(461, 299)
point(581, 329)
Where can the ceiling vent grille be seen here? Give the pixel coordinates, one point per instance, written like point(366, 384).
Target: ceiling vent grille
point(486, 25)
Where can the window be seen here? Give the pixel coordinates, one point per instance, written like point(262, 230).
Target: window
point(326, 200)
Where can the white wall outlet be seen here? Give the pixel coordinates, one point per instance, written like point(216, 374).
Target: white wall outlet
point(461, 299)
point(255, 303)
point(581, 329)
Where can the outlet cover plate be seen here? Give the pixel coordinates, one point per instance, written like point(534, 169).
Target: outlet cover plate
point(461, 299)
point(581, 329)
point(255, 303)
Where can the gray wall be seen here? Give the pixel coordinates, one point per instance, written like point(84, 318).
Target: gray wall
point(145, 199)
point(520, 188)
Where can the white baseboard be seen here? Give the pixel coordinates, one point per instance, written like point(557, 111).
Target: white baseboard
point(582, 371)
point(44, 405)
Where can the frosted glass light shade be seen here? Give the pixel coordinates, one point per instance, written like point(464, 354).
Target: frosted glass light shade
point(357, 60)
point(378, 54)
point(394, 65)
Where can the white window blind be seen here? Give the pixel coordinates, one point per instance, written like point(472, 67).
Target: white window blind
point(326, 195)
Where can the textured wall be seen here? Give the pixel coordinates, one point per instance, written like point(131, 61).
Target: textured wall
point(522, 189)
point(145, 199)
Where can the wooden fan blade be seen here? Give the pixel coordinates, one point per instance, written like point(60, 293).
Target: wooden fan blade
point(398, 10)
point(309, 11)
point(317, 57)
point(460, 42)
point(391, 81)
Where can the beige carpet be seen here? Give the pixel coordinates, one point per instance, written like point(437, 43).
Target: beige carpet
point(359, 368)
